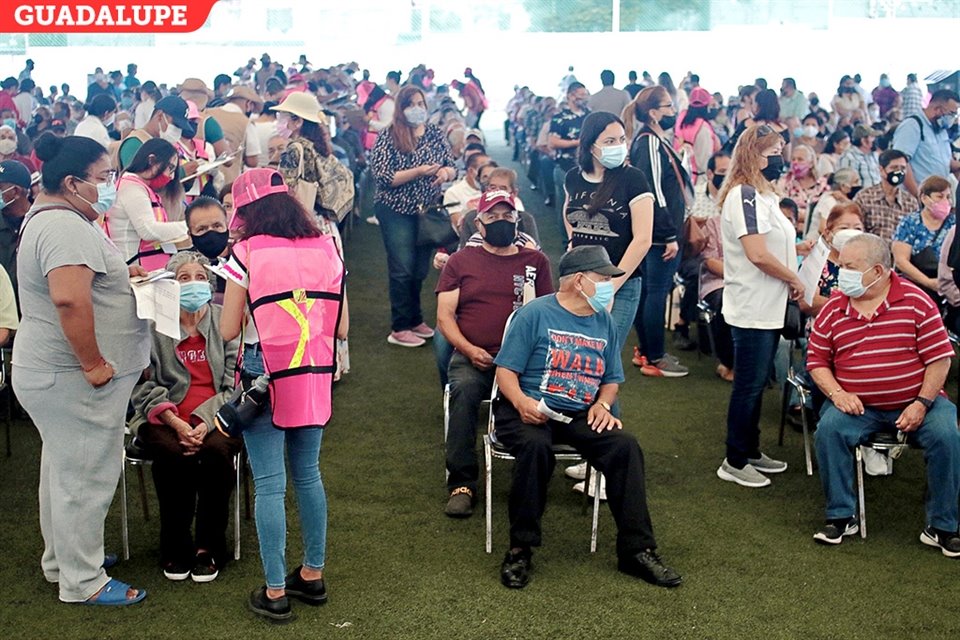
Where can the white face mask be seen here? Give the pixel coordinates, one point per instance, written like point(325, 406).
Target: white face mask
point(172, 133)
point(109, 121)
point(7, 146)
point(841, 237)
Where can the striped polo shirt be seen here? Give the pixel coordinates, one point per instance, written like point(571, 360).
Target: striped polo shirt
point(882, 359)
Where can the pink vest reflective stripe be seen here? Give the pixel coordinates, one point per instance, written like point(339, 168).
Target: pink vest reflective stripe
point(370, 137)
point(295, 294)
point(687, 135)
point(150, 256)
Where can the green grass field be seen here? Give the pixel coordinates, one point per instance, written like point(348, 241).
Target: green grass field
point(398, 568)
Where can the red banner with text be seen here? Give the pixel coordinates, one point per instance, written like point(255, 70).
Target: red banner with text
point(86, 16)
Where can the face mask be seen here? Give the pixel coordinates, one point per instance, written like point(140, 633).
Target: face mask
point(854, 191)
point(415, 115)
point(193, 295)
point(799, 168)
point(841, 237)
point(3, 198)
point(798, 132)
point(810, 131)
point(896, 177)
point(814, 102)
point(940, 210)
point(159, 182)
point(581, 103)
point(717, 180)
point(106, 196)
point(604, 294)
point(211, 243)
point(501, 233)
point(7, 147)
point(667, 122)
point(10, 122)
point(109, 121)
point(172, 134)
point(773, 169)
point(712, 113)
point(613, 157)
point(884, 82)
point(850, 283)
point(946, 121)
point(126, 103)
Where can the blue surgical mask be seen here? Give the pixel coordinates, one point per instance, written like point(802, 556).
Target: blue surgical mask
point(613, 157)
point(106, 196)
point(850, 282)
point(193, 295)
point(3, 198)
point(126, 103)
point(10, 122)
point(604, 294)
point(415, 115)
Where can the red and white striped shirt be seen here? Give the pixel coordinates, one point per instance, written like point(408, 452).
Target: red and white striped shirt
point(882, 359)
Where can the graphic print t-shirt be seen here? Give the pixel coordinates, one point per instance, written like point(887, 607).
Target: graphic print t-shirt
point(561, 357)
point(610, 227)
point(192, 352)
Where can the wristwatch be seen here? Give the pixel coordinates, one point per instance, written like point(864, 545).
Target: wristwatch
point(607, 406)
point(925, 402)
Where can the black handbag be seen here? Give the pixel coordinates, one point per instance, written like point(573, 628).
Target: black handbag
point(792, 322)
point(434, 228)
point(927, 260)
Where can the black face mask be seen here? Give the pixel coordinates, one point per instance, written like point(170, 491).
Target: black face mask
point(712, 113)
point(895, 178)
point(854, 191)
point(212, 243)
point(667, 122)
point(774, 168)
point(717, 180)
point(501, 233)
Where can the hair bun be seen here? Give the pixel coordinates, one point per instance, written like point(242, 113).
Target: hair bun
point(47, 146)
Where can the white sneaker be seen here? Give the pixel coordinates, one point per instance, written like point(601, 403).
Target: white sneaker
point(577, 471)
point(876, 463)
point(603, 487)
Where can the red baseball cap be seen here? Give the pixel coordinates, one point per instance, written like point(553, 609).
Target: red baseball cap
point(490, 199)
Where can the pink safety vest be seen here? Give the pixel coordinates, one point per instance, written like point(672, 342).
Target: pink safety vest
point(150, 255)
point(295, 295)
point(198, 152)
point(687, 135)
point(370, 137)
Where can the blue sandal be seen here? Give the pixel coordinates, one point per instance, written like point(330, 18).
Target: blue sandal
point(114, 594)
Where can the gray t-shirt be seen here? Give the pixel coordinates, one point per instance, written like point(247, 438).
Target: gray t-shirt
point(57, 238)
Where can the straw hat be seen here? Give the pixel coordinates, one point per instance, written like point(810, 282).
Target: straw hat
point(196, 90)
point(303, 105)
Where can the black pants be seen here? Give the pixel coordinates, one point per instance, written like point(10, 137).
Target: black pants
point(615, 453)
point(186, 485)
point(722, 340)
point(468, 388)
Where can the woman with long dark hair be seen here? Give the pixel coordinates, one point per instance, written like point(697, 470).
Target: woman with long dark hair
point(410, 161)
point(660, 164)
point(760, 274)
point(138, 223)
point(292, 276)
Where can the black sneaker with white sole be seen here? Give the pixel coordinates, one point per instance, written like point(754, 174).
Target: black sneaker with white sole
point(204, 568)
point(175, 571)
point(835, 530)
point(947, 541)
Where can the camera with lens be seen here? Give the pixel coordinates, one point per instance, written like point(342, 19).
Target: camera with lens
point(244, 405)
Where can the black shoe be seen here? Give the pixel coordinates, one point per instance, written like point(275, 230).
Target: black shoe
point(947, 541)
point(648, 566)
point(176, 571)
point(683, 342)
point(204, 568)
point(834, 531)
point(313, 592)
point(275, 610)
point(460, 503)
point(516, 568)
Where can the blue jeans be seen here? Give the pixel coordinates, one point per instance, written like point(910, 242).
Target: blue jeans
point(442, 351)
point(623, 312)
point(546, 176)
point(838, 433)
point(753, 351)
point(407, 266)
point(657, 284)
point(265, 448)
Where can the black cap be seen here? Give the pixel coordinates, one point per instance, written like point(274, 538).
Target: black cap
point(13, 172)
point(176, 108)
point(588, 258)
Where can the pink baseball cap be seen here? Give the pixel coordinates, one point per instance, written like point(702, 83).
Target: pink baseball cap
point(490, 199)
point(252, 185)
point(193, 112)
point(700, 97)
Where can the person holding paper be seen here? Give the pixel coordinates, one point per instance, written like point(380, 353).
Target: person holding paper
point(843, 222)
point(138, 223)
point(560, 350)
point(79, 352)
point(190, 379)
point(760, 274)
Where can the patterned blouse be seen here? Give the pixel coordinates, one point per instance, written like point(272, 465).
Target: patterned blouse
point(386, 161)
point(829, 278)
point(912, 231)
point(804, 197)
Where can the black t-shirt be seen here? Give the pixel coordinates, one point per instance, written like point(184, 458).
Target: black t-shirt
point(567, 124)
point(611, 227)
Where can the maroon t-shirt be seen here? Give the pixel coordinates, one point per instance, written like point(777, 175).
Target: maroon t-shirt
point(491, 288)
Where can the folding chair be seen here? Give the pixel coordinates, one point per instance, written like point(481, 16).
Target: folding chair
point(137, 457)
point(446, 416)
point(6, 391)
point(796, 382)
point(892, 445)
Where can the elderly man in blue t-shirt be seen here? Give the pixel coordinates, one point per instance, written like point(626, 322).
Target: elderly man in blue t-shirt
point(558, 373)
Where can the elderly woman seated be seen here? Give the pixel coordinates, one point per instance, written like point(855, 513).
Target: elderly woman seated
point(189, 381)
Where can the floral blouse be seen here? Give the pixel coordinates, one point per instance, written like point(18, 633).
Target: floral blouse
point(804, 197)
point(386, 161)
point(912, 231)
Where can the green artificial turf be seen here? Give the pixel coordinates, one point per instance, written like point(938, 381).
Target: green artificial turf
point(398, 568)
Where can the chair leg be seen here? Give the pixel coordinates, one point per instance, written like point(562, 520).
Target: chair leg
point(124, 532)
point(784, 405)
point(143, 492)
point(860, 497)
point(246, 486)
point(8, 392)
point(806, 432)
point(236, 507)
point(597, 483)
point(488, 479)
point(446, 424)
point(587, 480)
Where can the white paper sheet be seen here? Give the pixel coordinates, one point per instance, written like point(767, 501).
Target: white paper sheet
point(812, 268)
point(553, 415)
point(158, 299)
